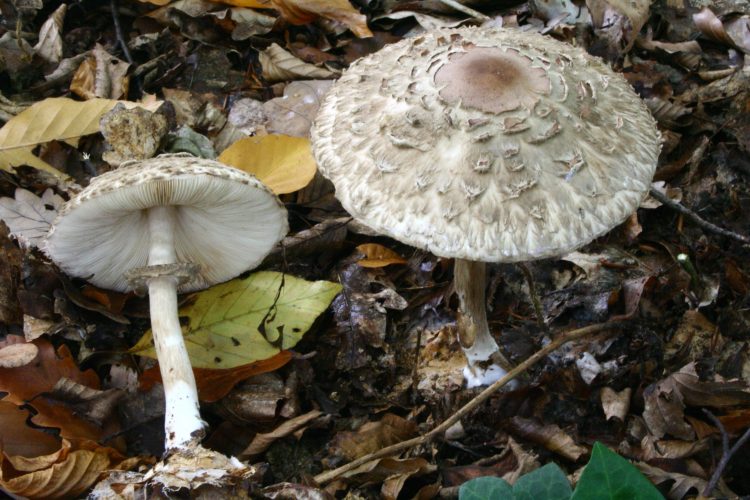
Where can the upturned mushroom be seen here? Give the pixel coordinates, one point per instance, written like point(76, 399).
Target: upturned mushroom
point(486, 146)
point(169, 224)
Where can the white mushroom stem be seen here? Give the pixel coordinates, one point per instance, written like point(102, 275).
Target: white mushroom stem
point(485, 362)
point(183, 425)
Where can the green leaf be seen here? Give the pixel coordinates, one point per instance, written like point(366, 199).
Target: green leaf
point(609, 476)
point(545, 483)
point(485, 488)
point(248, 320)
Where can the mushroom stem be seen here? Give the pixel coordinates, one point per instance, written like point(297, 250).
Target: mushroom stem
point(485, 362)
point(182, 421)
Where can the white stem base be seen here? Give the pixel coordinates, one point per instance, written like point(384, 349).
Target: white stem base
point(183, 425)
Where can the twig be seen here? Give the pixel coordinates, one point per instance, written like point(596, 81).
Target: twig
point(534, 298)
point(726, 452)
point(466, 10)
point(325, 477)
point(664, 199)
point(118, 31)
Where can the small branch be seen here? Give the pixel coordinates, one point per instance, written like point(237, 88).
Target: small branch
point(534, 298)
point(726, 452)
point(466, 10)
point(118, 31)
point(483, 396)
point(697, 219)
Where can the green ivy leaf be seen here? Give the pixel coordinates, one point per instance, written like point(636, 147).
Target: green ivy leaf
point(609, 476)
point(545, 483)
point(485, 488)
point(243, 321)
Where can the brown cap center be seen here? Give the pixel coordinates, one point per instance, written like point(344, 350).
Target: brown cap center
point(491, 80)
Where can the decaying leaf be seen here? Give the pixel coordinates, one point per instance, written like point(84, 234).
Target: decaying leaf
point(50, 44)
point(280, 65)
point(247, 320)
point(101, 75)
point(18, 438)
point(284, 164)
point(294, 112)
point(695, 338)
point(391, 472)
point(261, 442)
point(550, 436)
point(29, 217)
point(635, 10)
point(616, 404)
point(372, 436)
point(378, 256)
point(71, 474)
point(682, 484)
point(305, 11)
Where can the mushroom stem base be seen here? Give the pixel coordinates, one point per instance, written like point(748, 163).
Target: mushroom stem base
point(485, 362)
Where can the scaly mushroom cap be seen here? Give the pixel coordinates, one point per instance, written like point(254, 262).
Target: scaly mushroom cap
point(491, 145)
point(227, 221)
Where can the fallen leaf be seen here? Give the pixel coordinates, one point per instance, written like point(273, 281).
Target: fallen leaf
point(682, 484)
point(550, 436)
point(50, 44)
point(280, 65)
point(372, 436)
point(247, 320)
point(101, 75)
point(635, 10)
point(283, 163)
point(305, 11)
point(69, 477)
point(616, 404)
point(392, 472)
point(215, 384)
point(261, 442)
point(29, 217)
point(19, 438)
point(378, 256)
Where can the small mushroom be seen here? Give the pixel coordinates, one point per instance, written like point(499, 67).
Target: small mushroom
point(486, 146)
point(169, 224)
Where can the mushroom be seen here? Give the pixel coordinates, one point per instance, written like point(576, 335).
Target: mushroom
point(169, 224)
point(486, 146)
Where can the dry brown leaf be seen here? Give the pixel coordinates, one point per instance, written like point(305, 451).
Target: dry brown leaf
point(378, 256)
point(392, 472)
point(283, 163)
point(695, 338)
point(261, 442)
point(550, 436)
point(372, 436)
point(671, 449)
point(18, 157)
point(616, 404)
point(712, 27)
point(69, 477)
point(16, 355)
point(279, 65)
point(18, 438)
point(101, 75)
point(50, 44)
point(635, 10)
point(682, 484)
point(306, 11)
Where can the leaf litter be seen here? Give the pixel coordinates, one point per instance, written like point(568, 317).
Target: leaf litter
point(238, 79)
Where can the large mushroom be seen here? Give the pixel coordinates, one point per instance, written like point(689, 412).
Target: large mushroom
point(170, 224)
point(486, 146)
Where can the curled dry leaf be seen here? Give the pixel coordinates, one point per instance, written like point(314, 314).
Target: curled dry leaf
point(101, 75)
point(713, 27)
point(280, 65)
point(70, 475)
point(681, 484)
point(283, 163)
point(16, 355)
point(261, 442)
point(635, 10)
point(50, 44)
point(550, 436)
point(392, 472)
point(616, 404)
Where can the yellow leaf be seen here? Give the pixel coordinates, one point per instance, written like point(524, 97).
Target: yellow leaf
point(378, 256)
point(283, 163)
point(53, 119)
point(247, 320)
point(304, 11)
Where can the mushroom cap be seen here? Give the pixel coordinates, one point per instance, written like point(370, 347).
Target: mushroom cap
point(227, 221)
point(489, 145)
